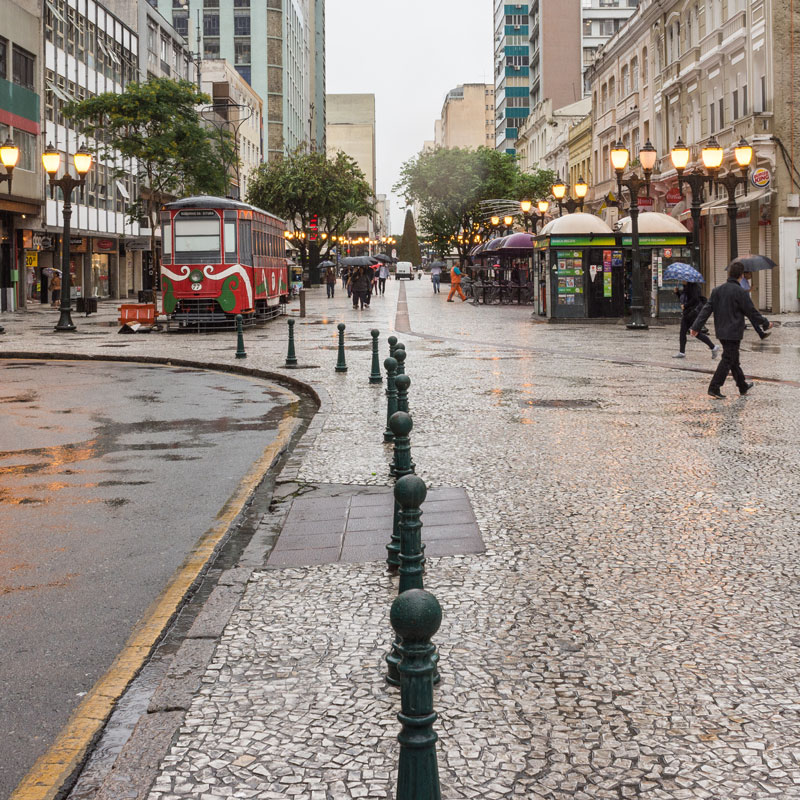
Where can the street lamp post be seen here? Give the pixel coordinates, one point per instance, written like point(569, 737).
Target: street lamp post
point(560, 191)
point(83, 163)
point(532, 216)
point(9, 155)
point(619, 161)
point(696, 182)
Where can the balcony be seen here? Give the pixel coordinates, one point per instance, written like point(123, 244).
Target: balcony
point(628, 107)
point(709, 45)
point(606, 121)
point(733, 31)
point(689, 62)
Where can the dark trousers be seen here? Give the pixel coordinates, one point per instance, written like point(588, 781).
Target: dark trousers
point(728, 363)
point(382, 285)
point(436, 279)
point(330, 287)
point(685, 325)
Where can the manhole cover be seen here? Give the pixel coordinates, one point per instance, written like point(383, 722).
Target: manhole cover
point(560, 404)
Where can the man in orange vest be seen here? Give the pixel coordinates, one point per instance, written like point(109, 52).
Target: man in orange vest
point(455, 284)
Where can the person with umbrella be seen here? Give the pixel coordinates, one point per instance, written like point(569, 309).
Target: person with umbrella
point(730, 304)
point(436, 275)
point(330, 277)
point(691, 301)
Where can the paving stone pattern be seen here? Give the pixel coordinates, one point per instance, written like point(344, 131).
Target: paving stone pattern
point(631, 629)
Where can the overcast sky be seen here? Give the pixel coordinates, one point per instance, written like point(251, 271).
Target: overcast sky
point(409, 55)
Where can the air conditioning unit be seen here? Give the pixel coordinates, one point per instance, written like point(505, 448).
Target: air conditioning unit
point(516, 27)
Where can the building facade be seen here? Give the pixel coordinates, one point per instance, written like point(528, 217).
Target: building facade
point(278, 47)
point(600, 20)
point(693, 69)
point(467, 118)
point(351, 129)
point(20, 118)
point(511, 72)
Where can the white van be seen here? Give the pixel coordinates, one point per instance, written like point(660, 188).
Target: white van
point(403, 270)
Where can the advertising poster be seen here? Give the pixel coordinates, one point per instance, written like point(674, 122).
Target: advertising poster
point(607, 283)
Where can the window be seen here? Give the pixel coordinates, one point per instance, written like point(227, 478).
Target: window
point(241, 3)
point(210, 3)
point(211, 47)
point(609, 3)
point(245, 243)
point(27, 150)
point(152, 36)
point(711, 118)
point(644, 67)
point(635, 74)
point(241, 50)
point(245, 72)
point(735, 104)
point(625, 80)
point(22, 67)
point(721, 113)
point(241, 23)
point(210, 24)
point(197, 239)
point(744, 100)
point(587, 27)
point(166, 238)
point(635, 140)
point(3, 57)
point(230, 239)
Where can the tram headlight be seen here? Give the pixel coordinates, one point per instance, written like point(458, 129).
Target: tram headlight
point(196, 276)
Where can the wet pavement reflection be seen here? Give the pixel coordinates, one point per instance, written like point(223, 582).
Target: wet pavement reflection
point(109, 474)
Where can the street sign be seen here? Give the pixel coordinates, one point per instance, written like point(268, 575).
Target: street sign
point(674, 196)
point(31, 259)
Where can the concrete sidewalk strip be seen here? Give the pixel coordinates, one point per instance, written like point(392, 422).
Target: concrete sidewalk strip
point(358, 521)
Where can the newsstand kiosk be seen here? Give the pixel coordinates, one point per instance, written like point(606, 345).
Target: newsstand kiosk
point(580, 269)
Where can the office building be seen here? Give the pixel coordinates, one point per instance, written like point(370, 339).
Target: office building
point(467, 118)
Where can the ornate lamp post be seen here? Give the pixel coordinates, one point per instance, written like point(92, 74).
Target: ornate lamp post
point(531, 216)
point(495, 220)
point(743, 154)
point(619, 161)
point(51, 159)
point(508, 221)
point(560, 191)
point(9, 155)
point(696, 181)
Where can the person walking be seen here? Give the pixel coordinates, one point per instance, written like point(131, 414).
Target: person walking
point(383, 274)
point(55, 288)
point(436, 277)
point(691, 302)
point(746, 283)
point(330, 280)
point(360, 286)
point(730, 304)
point(455, 284)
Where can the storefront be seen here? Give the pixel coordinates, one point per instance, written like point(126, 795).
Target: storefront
point(579, 269)
point(662, 241)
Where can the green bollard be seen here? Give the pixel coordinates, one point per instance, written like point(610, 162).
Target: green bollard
point(402, 382)
point(416, 616)
point(375, 376)
point(391, 396)
point(341, 364)
point(401, 425)
point(240, 353)
point(291, 358)
point(410, 492)
point(392, 344)
point(400, 358)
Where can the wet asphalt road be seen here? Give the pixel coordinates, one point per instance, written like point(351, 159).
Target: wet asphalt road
point(109, 474)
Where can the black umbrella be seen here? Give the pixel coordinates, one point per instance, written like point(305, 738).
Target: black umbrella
point(753, 263)
point(438, 264)
point(357, 261)
point(382, 257)
point(326, 264)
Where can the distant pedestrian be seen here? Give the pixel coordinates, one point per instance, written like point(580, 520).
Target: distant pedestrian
point(436, 277)
point(383, 274)
point(455, 284)
point(360, 284)
point(730, 304)
point(30, 278)
point(344, 279)
point(55, 288)
point(330, 280)
point(691, 302)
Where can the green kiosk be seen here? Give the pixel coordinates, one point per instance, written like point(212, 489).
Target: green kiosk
point(663, 240)
point(580, 269)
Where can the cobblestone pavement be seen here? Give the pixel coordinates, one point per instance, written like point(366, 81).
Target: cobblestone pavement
point(631, 629)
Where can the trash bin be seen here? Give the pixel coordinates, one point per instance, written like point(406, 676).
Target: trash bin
point(86, 305)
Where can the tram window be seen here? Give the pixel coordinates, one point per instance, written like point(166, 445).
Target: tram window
point(197, 238)
point(230, 241)
point(246, 244)
point(166, 240)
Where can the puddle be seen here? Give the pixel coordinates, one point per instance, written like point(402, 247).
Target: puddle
point(569, 404)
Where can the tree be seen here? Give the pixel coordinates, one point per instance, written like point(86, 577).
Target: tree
point(306, 184)
point(449, 185)
point(155, 126)
point(409, 243)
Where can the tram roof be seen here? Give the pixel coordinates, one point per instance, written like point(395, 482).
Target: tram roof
point(207, 201)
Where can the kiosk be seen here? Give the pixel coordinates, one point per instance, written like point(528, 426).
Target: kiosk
point(663, 240)
point(579, 269)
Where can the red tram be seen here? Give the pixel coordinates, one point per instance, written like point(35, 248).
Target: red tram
point(221, 258)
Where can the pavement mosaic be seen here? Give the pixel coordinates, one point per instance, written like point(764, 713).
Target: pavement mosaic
point(631, 629)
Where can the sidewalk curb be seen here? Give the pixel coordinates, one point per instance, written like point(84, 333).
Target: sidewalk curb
point(53, 773)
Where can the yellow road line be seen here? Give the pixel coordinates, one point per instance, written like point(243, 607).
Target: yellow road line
point(53, 769)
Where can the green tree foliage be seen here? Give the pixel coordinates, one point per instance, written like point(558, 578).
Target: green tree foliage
point(449, 185)
point(306, 183)
point(158, 126)
point(409, 243)
point(533, 185)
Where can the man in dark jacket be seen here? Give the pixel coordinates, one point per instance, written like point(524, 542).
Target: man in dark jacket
point(730, 304)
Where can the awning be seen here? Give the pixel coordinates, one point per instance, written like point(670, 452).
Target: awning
point(720, 206)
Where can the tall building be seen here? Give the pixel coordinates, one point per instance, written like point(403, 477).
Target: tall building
point(351, 128)
point(278, 47)
point(467, 118)
point(600, 20)
point(511, 72)
point(555, 60)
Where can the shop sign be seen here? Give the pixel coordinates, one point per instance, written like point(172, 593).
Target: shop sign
point(36, 241)
point(77, 244)
point(655, 241)
point(645, 202)
point(598, 241)
point(761, 178)
point(31, 259)
point(674, 196)
point(104, 245)
point(139, 243)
